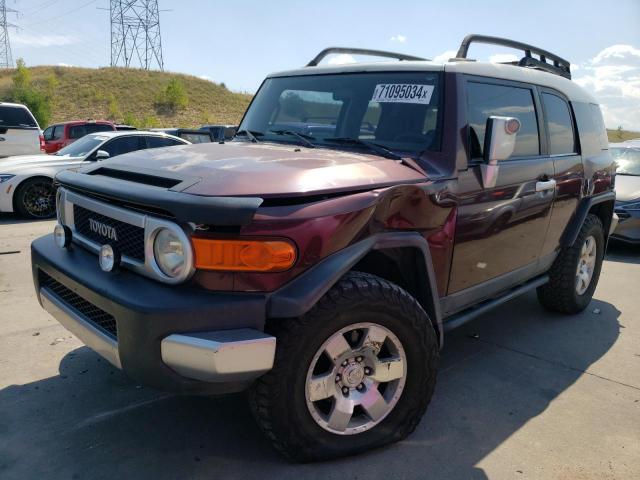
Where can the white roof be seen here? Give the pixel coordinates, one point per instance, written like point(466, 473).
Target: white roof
point(128, 133)
point(483, 69)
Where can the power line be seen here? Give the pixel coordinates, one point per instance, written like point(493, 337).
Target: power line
point(6, 59)
point(135, 33)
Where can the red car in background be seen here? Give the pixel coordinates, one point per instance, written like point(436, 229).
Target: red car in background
point(60, 135)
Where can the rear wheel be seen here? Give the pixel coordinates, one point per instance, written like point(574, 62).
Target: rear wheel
point(354, 373)
point(574, 275)
point(36, 198)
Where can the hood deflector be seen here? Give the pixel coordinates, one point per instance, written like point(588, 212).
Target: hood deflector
point(216, 211)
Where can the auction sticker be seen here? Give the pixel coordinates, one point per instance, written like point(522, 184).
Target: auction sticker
point(402, 93)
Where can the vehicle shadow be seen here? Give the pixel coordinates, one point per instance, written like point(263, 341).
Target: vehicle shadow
point(622, 252)
point(497, 373)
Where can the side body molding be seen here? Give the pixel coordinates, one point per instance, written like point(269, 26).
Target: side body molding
point(573, 228)
point(300, 295)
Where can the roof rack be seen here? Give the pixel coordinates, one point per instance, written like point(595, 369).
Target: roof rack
point(360, 51)
point(560, 66)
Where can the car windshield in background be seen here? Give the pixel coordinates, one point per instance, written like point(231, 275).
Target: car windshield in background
point(628, 160)
point(16, 117)
point(396, 110)
point(81, 147)
point(196, 137)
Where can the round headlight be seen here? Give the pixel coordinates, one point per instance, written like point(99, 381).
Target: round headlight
point(170, 253)
point(109, 258)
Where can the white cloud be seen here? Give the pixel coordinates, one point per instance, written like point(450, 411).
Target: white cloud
point(399, 38)
point(342, 59)
point(205, 77)
point(42, 41)
point(613, 77)
point(503, 58)
point(62, 64)
point(444, 56)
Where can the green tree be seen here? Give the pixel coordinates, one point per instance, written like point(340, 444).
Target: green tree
point(24, 92)
point(619, 132)
point(173, 97)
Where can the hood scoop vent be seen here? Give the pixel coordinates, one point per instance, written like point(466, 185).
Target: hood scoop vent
point(137, 177)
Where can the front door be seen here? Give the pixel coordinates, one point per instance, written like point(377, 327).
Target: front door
point(500, 230)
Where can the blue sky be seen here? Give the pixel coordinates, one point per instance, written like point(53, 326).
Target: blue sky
point(240, 42)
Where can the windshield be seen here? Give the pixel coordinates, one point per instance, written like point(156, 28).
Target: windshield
point(395, 110)
point(628, 160)
point(81, 147)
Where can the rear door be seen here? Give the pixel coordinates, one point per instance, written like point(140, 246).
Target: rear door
point(500, 230)
point(19, 131)
point(569, 170)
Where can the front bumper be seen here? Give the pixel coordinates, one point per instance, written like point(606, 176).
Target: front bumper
point(171, 337)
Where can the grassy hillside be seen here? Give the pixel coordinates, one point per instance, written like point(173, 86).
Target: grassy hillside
point(130, 95)
point(622, 135)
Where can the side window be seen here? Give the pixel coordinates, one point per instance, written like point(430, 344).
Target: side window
point(159, 142)
point(48, 133)
point(122, 145)
point(484, 100)
point(99, 127)
point(58, 132)
point(77, 131)
point(560, 125)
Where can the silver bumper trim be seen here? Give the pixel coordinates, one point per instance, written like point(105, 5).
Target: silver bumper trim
point(92, 337)
point(220, 356)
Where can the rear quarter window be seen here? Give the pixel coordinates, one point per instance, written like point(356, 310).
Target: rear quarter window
point(16, 117)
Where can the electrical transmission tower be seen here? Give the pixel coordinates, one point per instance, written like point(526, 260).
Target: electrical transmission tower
point(6, 60)
point(135, 33)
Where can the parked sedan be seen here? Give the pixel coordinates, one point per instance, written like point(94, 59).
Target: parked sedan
point(627, 156)
point(26, 181)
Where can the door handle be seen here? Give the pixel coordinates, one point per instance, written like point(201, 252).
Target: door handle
point(547, 185)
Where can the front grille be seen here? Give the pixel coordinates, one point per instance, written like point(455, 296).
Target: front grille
point(84, 308)
point(130, 239)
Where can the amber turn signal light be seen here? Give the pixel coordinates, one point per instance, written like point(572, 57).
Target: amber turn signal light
point(243, 255)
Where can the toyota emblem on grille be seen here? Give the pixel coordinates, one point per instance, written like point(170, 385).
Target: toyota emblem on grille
point(103, 229)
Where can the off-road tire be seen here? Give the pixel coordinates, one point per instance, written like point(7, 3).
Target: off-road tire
point(278, 398)
point(559, 294)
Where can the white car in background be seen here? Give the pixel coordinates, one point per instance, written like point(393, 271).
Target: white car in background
point(19, 131)
point(26, 181)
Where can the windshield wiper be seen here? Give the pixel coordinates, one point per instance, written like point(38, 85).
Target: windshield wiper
point(380, 150)
point(251, 135)
point(303, 137)
point(374, 147)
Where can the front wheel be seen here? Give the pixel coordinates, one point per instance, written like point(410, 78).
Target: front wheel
point(355, 373)
point(36, 198)
point(574, 275)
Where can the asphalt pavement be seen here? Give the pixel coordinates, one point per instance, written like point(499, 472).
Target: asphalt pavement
point(522, 394)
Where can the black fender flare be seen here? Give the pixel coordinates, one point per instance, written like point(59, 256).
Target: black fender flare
point(575, 224)
point(298, 296)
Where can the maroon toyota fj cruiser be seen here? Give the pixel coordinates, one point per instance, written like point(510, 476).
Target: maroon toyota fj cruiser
point(318, 258)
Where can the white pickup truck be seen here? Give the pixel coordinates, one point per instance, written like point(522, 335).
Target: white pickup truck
point(19, 131)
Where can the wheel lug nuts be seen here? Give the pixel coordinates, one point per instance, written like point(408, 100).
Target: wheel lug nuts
point(367, 371)
point(338, 377)
point(358, 359)
point(344, 364)
point(360, 387)
point(345, 390)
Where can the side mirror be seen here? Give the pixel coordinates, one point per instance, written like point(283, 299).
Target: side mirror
point(102, 155)
point(499, 143)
